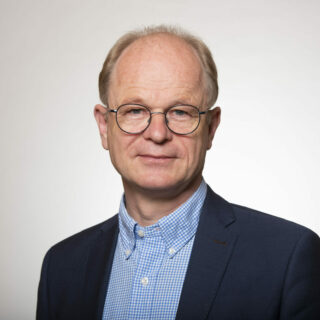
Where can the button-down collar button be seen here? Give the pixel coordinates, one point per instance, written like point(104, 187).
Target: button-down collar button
point(144, 281)
point(140, 233)
point(172, 251)
point(127, 252)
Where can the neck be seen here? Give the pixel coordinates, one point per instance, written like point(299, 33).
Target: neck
point(147, 207)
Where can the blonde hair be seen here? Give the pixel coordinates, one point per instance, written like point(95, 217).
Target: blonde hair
point(203, 52)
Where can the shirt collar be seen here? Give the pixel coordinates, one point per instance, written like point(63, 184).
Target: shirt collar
point(176, 229)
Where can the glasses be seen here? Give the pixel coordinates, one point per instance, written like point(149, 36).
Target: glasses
point(135, 118)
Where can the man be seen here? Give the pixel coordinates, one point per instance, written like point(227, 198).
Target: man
point(176, 249)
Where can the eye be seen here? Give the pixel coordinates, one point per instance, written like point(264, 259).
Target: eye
point(182, 113)
point(133, 112)
point(178, 112)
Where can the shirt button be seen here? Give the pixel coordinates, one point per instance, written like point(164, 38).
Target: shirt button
point(141, 233)
point(144, 281)
point(172, 251)
point(127, 252)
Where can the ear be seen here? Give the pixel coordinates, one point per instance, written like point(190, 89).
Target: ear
point(214, 117)
point(100, 113)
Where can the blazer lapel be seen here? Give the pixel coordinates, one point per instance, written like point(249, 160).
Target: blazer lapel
point(98, 270)
point(212, 250)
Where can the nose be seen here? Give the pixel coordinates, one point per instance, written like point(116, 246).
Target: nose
point(157, 130)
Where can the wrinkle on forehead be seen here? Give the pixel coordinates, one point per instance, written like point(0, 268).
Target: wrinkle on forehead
point(164, 97)
point(161, 61)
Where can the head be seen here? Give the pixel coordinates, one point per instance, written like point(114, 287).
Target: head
point(158, 67)
point(200, 48)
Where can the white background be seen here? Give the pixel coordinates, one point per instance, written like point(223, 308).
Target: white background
point(55, 177)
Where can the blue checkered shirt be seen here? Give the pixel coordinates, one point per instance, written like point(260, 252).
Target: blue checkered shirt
point(150, 263)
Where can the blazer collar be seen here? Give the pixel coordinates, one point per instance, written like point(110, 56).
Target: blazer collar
point(98, 270)
point(211, 252)
point(210, 255)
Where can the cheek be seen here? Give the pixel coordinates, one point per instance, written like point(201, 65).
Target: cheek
point(121, 146)
point(197, 152)
point(192, 150)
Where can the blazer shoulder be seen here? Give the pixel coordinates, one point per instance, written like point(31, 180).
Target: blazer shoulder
point(82, 240)
point(248, 221)
point(267, 223)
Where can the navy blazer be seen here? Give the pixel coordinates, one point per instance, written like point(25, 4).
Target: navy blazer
point(244, 265)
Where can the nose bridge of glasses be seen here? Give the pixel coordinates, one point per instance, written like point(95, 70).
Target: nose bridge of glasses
point(158, 112)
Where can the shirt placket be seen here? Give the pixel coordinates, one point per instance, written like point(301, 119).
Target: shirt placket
point(149, 259)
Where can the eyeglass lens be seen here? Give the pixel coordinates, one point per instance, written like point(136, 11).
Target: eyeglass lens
point(136, 118)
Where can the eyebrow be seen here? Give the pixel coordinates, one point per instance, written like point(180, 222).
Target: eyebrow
point(138, 100)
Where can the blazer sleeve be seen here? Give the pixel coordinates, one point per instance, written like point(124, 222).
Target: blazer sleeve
point(43, 312)
point(301, 290)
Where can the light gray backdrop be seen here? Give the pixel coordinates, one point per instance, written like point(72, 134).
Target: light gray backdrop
point(55, 177)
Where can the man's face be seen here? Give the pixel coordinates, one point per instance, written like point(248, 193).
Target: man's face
point(158, 71)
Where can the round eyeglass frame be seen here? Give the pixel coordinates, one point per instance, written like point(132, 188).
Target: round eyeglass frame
point(151, 113)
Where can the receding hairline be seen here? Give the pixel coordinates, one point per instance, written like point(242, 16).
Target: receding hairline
point(172, 49)
point(199, 48)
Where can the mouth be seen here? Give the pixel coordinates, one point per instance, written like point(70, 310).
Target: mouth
point(160, 156)
point(156, 159)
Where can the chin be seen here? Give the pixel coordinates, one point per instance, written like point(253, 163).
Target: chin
point(158, 183)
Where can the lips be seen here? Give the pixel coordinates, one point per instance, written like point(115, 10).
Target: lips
point(156, 158)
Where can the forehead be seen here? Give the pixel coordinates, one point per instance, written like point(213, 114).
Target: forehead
point(158, 62)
